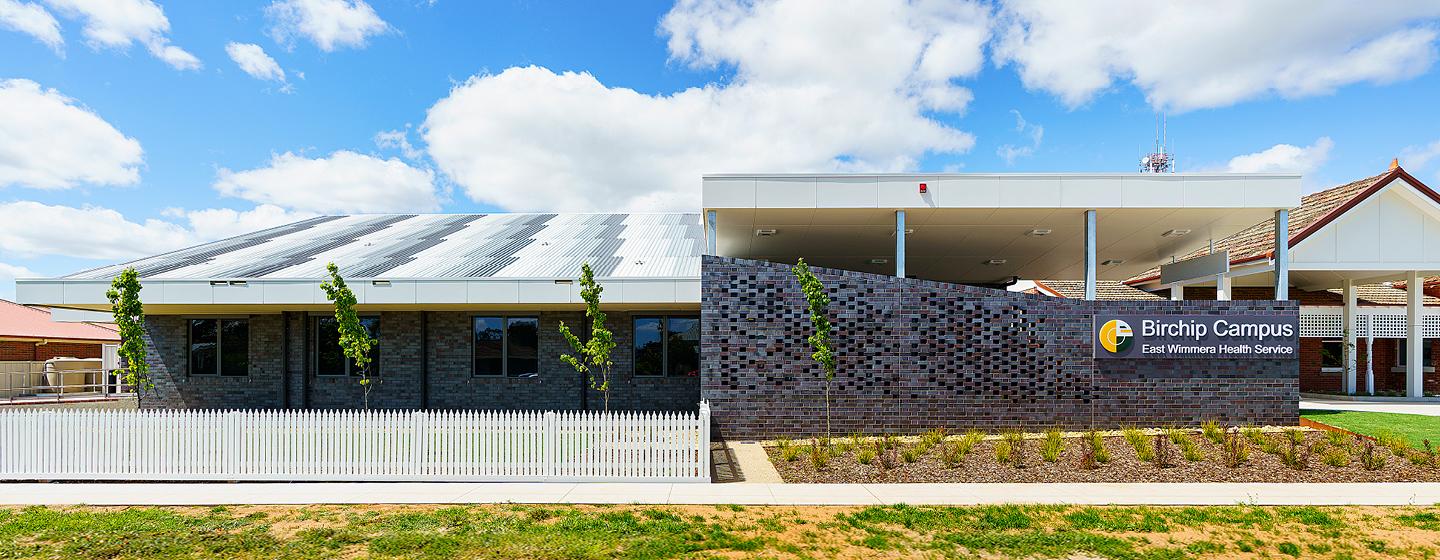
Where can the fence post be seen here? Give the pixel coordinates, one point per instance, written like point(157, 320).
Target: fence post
point(417, 443)
point(552, 440)
point(705, 440)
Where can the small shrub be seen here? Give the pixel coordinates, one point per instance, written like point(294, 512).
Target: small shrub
point(1395, 442)
point(1338, 439)
point(1144, 450)
point(1294, 454)
point(857, 440)
point(1255, 436)
point(1053, 446)
point(819, 453)
point(969, 440)
point(1235, 450)
point(1003, 451)
point(1164, 452)
point(951, 453)
point(1433, 458)
point(1088, 460)
point(866, 455)
point(1369, 459)
point(911, 454)
point(890, 441)
point(1295, 436)
point(886, 456)
point(1189, 448)
point(933, 437)
point(788, 450)
point(1213, 432)
point(1096, 443)
point(1335, 457)
point(1016, 440)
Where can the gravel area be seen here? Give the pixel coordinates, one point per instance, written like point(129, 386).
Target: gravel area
point(980, 465)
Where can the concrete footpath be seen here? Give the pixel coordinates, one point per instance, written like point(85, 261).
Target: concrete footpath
point(208, 494)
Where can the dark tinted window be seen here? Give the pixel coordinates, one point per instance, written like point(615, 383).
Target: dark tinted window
point(234, 347)
point(1332, 353)
point(329, 358)
point(489, 346)
point(203, 346)
point(1403, 357)
point(649, 346)
point(523, 346)
point(682, 346)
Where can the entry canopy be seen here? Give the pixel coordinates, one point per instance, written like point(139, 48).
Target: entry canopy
point(987, 228)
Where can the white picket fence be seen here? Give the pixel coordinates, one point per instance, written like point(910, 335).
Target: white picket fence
point(333, 445)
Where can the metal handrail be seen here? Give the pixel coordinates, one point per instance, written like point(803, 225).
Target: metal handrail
point(32, 383)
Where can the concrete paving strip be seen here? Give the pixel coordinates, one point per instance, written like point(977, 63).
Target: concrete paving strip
point(747, 493)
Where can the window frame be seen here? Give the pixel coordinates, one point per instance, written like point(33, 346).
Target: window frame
point(504, 347)
point(219, 346)
point(1400, 355)
point(1332, 369)
point(664, 344)
point(314, 356)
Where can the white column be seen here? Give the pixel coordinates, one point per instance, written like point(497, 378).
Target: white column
point(1223, 287)
point(1415, 335)
point(900, 243)
point(1370, 354)
point(1090, 263)
point(1177, 293)
point(710, 233)
point(1282, 254)
point(1347, 292)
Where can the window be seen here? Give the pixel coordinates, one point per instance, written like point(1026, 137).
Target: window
point(330, 359)
point(1332, 355)
point(506, 346)
point(1401, 357)
point(220, 347)
point(667, 346)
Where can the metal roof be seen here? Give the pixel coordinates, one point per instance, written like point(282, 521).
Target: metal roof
point(442, 246)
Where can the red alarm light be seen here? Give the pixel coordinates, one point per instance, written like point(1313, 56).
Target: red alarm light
point(924, 189)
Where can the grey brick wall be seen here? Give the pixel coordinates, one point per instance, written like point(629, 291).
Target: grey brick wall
point(398, 385)
point(917, 354)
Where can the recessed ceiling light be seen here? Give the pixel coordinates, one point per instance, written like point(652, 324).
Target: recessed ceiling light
point(996, 262)
point(1113, 262)
point(1176, 233)
point(765, 232)
point(879, 261)
point(1038, 232)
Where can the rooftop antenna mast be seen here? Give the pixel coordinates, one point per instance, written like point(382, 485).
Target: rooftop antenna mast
point(1160, 160)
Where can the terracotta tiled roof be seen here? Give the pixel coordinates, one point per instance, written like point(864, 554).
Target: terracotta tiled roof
point(23, 321)
point(1256, 241)
point(1104, 290)
point(1381, 294)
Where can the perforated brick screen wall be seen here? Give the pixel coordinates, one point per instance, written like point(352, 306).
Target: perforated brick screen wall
point(916, 355)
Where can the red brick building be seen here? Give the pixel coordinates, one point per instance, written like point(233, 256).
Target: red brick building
point(28, 334)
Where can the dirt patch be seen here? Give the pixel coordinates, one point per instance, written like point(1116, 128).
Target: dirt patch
point(981, 465)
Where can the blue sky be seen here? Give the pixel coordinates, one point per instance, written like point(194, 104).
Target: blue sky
point(133, 131)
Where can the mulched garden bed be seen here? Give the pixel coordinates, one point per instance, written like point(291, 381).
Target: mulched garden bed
point(980, 464)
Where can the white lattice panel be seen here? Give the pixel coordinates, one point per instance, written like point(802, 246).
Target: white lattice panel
point(1389, 325)
point(1314, 325)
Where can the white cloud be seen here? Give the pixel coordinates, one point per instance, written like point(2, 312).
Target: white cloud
point(33, 20)
point(1283, 158)
point(1034, 132)
point(8, 274)
point(253, 61)
point(1192, 55)
point(397, 140)
point(342, 182)
point(30, 228)
point(118, 24)
point(817, 86)
point(219, 223)
point(330, 24)
point(1417, 157)
point(52, 142)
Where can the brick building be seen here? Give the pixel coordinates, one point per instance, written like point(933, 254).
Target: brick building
point(466, 308)
point(28, 334)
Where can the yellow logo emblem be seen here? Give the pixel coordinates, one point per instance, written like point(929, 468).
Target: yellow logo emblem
point(1115, 336)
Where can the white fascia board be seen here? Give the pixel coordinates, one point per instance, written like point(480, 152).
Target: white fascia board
point(280, 292)
point(1018, 190)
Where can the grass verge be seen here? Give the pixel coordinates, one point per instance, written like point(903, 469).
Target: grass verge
point(1414, 428)
point(645, 532)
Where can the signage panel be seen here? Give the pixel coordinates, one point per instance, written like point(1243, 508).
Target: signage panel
point(1206, 267)
point(1197, 336)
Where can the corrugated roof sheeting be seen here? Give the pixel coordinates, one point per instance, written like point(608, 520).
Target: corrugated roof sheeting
point(444, 246)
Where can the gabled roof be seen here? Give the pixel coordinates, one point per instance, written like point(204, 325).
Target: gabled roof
point(1316, 210)
point(1104, 290)
point(27, 322)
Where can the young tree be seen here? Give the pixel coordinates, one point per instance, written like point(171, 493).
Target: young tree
point(124, 296)
point(593, 356)
point(355, 341)
point(819, 303)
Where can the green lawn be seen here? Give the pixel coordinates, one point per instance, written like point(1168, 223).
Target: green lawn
point(646, 532)
point(1413, 427)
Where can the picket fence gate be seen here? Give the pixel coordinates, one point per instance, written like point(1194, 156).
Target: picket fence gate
point(341, 445)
